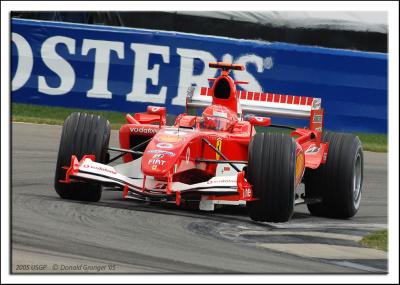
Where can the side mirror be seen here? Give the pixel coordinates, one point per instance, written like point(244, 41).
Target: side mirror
point(156, 110)
point(259, 121)
point(160, 111)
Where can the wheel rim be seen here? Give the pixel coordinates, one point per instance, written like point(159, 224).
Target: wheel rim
point(357, 177)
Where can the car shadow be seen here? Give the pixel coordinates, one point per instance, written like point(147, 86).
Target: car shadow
point(222, 214)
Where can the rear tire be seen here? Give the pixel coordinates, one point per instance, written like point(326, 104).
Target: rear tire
point(339, 181)
point(271, 172)
point(81, 134)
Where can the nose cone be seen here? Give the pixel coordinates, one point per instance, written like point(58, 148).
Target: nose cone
point(158, 162)
point(164, 151)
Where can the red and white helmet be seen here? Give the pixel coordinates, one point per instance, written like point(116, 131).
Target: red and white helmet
point(219, 118)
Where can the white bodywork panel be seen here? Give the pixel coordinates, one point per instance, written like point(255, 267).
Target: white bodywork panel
point(224, 169)
point(131, 175)
point(209, 205)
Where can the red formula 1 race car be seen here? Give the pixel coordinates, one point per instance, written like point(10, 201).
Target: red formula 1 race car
point(216, 157)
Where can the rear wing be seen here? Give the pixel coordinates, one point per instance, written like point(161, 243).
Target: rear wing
point(261, 103)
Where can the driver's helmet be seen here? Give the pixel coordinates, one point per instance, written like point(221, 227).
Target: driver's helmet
point(218, 118)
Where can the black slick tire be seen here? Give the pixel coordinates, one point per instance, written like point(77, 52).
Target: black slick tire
point(271, 172)
point(339, 181)
point(81, 134)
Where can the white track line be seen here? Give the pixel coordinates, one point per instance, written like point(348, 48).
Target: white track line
point(349, 264)
point(326, 225)
point(27, 123)
point(326, 251)
point(316, 234)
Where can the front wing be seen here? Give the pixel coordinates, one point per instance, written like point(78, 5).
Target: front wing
point(127, 176)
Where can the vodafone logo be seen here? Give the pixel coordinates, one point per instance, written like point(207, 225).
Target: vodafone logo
point(259, 119)
point(164, 145)
point(100, 168)
point(143, 130)
point(155, 109)
point(221, 181)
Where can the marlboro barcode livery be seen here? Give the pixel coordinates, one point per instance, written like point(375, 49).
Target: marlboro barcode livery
point(213, 154)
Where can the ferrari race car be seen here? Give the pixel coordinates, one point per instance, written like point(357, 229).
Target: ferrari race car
point(212, 155)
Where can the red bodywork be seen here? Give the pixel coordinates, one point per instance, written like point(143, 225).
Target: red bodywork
point(174, 152)
point(190, 151)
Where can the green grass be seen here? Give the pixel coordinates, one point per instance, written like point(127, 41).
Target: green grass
point(56, 116)
point(370, 142)
point(376, 240)
point(373, 142)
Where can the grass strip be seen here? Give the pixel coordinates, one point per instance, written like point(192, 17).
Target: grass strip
point(56, 115)
point(376, 240)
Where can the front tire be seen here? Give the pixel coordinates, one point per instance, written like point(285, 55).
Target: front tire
point(339, 181)
point(271, 172)
point(81, 134)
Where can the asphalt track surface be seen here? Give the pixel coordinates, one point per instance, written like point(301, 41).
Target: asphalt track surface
point(121, 236)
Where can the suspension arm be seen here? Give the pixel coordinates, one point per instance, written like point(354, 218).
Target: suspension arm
point(221, 154)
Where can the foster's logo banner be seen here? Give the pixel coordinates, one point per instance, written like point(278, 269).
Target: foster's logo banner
point(124, 69)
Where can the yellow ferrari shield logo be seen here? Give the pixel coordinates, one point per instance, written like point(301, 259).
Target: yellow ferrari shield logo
point(219, 147)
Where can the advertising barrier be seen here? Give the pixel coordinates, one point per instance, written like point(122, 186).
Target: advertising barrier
point(125, 69)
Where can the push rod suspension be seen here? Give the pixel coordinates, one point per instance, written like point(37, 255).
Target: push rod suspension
point(221, 154)
point(125, 151)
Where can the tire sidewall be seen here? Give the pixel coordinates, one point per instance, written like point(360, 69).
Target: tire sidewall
point(356, 201)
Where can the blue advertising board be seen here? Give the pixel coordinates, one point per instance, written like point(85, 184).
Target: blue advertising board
point(125, 69)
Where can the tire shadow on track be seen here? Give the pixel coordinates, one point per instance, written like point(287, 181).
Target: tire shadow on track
point(233, 214)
